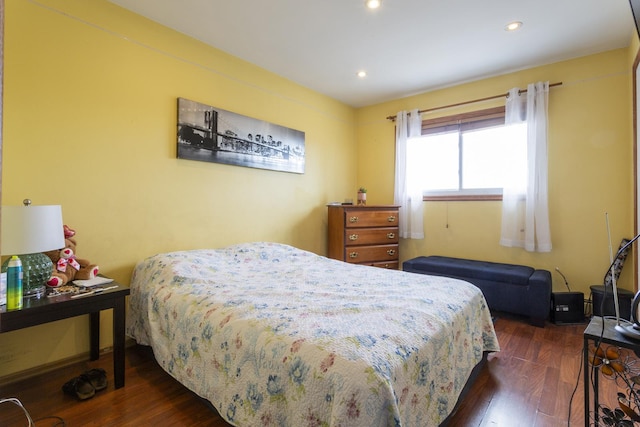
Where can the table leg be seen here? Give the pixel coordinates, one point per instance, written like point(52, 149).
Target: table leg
point(118, 341)
point(596, 393)
point(94, 335)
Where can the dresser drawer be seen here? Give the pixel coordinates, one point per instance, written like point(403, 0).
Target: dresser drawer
point(373, 218)
point(370, 236)
point(371, 254)
point(391, 265)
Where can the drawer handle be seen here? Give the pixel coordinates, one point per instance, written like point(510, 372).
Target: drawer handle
point(353, 255)
point(391, 236)
point(353, 219)
point(392, 218)
point(391, 252)
point(353, 237)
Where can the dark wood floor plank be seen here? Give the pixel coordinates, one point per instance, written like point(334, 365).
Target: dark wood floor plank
point(549, 397)
point(545, 420)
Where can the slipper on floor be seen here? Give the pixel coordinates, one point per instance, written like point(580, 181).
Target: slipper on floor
point(97, 377)
point(79, 387)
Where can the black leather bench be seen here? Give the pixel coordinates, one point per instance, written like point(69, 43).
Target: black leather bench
point(509, 288)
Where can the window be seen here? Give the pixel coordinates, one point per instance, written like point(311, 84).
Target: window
point(468, 156)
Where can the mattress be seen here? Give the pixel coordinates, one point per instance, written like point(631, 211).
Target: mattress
point(274, 335)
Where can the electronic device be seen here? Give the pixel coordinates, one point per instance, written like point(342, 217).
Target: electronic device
point(567, 307)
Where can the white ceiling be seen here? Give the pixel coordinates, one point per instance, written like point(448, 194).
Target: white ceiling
point(406, 46)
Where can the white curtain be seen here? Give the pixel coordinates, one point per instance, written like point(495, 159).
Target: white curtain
point(406, 195)
point(525, 211)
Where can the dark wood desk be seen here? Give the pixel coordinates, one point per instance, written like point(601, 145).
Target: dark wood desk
point(49, 309)
point(608, 335)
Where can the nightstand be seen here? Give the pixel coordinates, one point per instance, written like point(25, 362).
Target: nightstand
point(597, 331)
point(48, 309)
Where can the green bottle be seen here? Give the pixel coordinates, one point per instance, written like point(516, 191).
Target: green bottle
point(14, 283)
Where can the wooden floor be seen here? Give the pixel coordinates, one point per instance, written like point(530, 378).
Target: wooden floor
point(529, 383)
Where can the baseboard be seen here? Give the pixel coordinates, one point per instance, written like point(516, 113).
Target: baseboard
point(58, 364)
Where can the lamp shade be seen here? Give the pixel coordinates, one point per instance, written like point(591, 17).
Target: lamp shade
point(31, 229)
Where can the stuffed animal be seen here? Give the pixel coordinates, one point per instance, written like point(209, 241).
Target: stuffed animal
point(68, 267)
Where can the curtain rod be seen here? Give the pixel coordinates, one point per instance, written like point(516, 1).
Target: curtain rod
point(473, 101)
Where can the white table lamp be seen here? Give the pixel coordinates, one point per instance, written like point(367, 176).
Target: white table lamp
point(27, 231)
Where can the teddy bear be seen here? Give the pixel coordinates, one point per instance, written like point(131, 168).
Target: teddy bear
point(66, 266)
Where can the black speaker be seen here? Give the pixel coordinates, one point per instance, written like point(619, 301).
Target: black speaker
point(567, 308)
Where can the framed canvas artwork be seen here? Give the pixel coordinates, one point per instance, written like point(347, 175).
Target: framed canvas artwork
point(210, 134)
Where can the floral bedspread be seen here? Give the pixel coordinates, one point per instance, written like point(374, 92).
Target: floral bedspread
point(275, 336)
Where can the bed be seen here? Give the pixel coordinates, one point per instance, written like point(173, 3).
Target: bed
point(272, 335)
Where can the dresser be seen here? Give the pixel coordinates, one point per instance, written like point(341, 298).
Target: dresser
point(364, 235)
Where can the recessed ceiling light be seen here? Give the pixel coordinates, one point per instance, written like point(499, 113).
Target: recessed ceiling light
point(361, 74)
point(373, 4)
point(513, 26)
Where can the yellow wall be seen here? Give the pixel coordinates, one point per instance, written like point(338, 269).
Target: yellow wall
point(90, 109)
point(90, 123)
point(590, 170)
